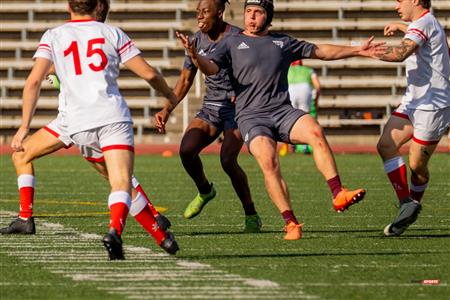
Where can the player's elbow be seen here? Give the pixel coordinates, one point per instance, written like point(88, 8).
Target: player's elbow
point(32, 83)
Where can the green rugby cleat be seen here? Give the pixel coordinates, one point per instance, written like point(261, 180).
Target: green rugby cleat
point(196, 205)
point(253, 224)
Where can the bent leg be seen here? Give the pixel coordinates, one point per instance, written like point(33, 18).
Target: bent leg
point(231, 146)
point(198, 135)
point(264, 149)
point(419, 156)
point(37, 145)
point(307, 131)
point(397, 132)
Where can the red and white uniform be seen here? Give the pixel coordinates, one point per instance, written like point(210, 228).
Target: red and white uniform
point(427, 98)
point(86, 55)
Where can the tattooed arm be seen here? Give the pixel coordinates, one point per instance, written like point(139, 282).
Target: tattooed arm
point(400, 52)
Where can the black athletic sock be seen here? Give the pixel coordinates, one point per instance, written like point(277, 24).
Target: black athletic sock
point(205, 188)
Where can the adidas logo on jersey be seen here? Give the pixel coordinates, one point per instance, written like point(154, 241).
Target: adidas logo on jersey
point(279, 44)
point(201, 52)
point(243, 46)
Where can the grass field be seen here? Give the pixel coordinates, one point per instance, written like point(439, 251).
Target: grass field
point(341, 256)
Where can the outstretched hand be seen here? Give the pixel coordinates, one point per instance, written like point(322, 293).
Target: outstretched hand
point(374, 50)
point(187, 44)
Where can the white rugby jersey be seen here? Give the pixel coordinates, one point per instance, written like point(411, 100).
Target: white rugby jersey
point(428, 69)
point(86, 55)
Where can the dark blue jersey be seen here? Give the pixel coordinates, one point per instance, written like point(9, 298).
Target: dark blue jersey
point(259, 69)
point(218, 86)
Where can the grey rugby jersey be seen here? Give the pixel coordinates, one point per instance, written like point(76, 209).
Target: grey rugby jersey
point(259, 69)
point(218, 86)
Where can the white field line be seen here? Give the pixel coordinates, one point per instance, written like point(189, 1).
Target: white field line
point(145, 274)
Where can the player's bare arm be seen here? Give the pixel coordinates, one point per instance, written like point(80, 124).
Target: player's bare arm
point(334, 52)
point(180, 90)
point(141, 68)
point(30, 97)
point(205, 65)
point(400, 52)
point(391, 28)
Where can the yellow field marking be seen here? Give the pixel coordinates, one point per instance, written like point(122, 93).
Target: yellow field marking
point(85, 203)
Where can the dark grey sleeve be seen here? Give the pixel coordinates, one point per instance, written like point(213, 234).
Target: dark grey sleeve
point(301, 49)
point(221, 55)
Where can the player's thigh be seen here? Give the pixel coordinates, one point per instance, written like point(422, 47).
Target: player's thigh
point(396, 132)
point(41, 143)
point(119, 164)
point(198, 135)
point(264, 149)
point(306, 130)
point(232, 143)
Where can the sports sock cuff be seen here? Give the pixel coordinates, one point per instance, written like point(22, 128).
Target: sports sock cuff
point(393, 164)
point(119, 197)
point(25, 180)
point(134, 182)
point(138, 204)
point(418, 188)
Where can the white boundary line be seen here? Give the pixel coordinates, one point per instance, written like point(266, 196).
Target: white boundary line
point(145, 274)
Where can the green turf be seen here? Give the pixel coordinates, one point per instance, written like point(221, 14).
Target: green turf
point(341, 256)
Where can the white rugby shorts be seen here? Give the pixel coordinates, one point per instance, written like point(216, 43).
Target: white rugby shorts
point(93, 142)
point(56, 129)
point(429, 125)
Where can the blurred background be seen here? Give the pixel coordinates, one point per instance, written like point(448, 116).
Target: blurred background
point(357, 95)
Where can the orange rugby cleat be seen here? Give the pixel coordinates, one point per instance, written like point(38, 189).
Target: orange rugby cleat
point(293, 231)
point(346, 198)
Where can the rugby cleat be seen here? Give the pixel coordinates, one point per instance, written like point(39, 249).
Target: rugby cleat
point(20, 226)
point(195, 206)
point(346, 198)
point(169, 244)
point(409, 211)
point(113, 244)
point(163, 222)
point(293, 231)
point(253, 224)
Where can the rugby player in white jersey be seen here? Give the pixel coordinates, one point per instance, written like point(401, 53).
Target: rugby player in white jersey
point(423, 116)
point(86, 55)
point(52, 138)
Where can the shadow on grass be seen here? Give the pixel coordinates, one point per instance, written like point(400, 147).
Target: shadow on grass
point(315, 254)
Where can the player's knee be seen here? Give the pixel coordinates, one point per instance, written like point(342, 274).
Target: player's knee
point(229, 164)
point(269, 166)
point(187, 151)
point(19, 158)
point(384, 147)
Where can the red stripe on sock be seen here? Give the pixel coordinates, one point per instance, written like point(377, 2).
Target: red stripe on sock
point(148, 222)
point(118, 215)
point(26, 195)
point(150, 205)
point(399, 181)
